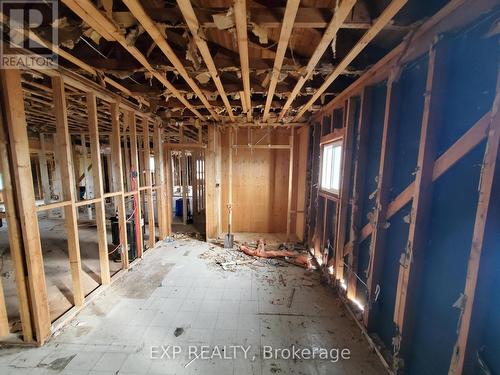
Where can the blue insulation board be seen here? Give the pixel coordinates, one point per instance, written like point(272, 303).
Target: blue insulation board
point(472, 70)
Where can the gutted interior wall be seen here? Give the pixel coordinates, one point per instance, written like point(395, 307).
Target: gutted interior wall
point(408, 252)
point(267, 187)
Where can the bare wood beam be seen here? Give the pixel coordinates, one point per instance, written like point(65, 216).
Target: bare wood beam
point(88, 12)
point(117, 172)
point(486, 180)
point(410, 269)
point(290, 184)
point(14, 232)
point(345, 188)
point(148, 180)
point(192, 22)
point(459, 149)
point(155, 33)
point(286, 30)
point(135, 186)
point(63, 154)
point(358, 189)
point(161, 198)
point(455, 14)
point(339, 16)
point(386, 16)
point(377, 245)
point(97, 174)
point(240, 15)
point(74, 60)
point(19, 146)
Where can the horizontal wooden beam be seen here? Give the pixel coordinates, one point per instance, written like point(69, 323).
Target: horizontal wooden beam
point(192, 22)
point(476, 134)
point(454, 14)
point(386, 16)
point(340, 15)
point(87, 11)
point(158, 38)
point(286, 31)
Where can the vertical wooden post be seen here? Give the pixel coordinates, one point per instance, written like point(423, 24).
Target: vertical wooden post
point(230, 184)
point(76, 174)
point(491, 157)
point(86, 173)
point(126, 152)
point(57, 181)
point(345, 186)
point(290, 185)
point(358, 189)
point(4, 319)
point(100, 213)
point(15, 240)
point(185, 186)
point(134, 172)
point(383, 194)
point(117, 168)
point(161, 196)
point(149, 182)
point(194, 180)
point(168, 189)
point(13, 106)
point(62, 148)
point(410, 269)
point(44, 172)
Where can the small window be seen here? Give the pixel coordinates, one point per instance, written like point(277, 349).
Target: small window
point(331, 156)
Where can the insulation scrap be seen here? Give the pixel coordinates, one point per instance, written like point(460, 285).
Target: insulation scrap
point(224, 21)
point(261, 33)
point(133, 34)
point(192, 53)
point(203, 78)
point(124, 19)
point(93, 35)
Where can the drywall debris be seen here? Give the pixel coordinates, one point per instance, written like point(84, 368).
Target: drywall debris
point(93, 35)
point(133, 34)
point(203, 78)
point(261, 33)
point(224, 21)
point(192, 52)
point(124, 19)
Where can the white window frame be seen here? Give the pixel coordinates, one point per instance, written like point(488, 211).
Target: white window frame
point(333, 144)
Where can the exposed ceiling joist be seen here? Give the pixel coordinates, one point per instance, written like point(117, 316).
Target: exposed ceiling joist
point(138, 12)
point(192, 22)
point(240, 15)
point(86, 10)
point(28, 33)
point(286, 30)
point(386, 16)
point(338, 18)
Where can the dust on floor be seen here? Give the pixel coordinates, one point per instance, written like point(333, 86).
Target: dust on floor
point(179, 297)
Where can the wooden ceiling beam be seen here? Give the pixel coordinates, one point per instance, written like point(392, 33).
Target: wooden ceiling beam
point(72, 59)
point(286, 30)
point(192, 22)
point(269, 18)
point(333, 27)
point(138, 12)
point(386, 16)
point(240, 15)
point(87, 11)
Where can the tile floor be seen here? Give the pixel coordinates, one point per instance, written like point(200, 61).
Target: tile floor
point(173, 300)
